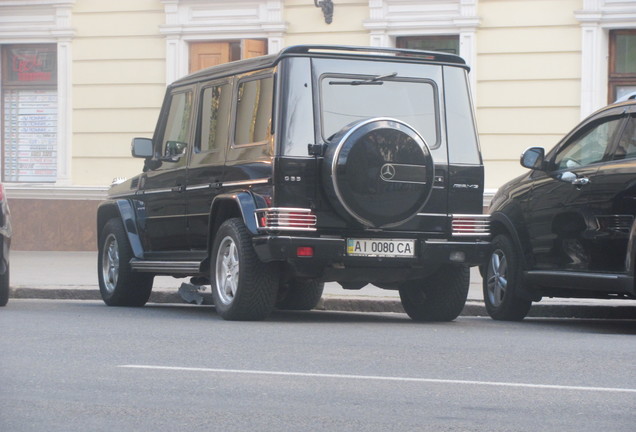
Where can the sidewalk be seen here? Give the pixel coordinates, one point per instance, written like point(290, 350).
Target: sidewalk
point(72, 275)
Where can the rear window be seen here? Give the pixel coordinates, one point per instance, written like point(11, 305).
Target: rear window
point(348, 98)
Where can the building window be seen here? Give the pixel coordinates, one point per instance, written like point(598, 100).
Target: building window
point(29, 113)
point(190, 22)
point(622, 63)
point(206, 54)
point(442, 43)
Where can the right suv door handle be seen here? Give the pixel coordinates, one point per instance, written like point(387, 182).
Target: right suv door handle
point(581, 181)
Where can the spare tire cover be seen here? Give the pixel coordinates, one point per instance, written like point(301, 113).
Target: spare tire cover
point(378, 171)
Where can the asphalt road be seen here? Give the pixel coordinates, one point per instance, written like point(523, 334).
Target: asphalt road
point(82, 366)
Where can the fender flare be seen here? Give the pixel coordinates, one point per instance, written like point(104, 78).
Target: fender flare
point(245, 201)
point(497, 218)
point(125, 211)
point(509, 229)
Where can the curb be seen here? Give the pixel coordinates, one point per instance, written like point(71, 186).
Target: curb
point(349, 304)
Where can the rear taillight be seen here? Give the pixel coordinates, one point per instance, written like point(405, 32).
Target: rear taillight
point(470, 225)
point(285, 219)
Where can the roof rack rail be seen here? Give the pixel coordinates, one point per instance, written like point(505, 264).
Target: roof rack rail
point(373, 51)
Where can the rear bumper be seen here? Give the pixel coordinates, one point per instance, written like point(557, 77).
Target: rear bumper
point(331, 250)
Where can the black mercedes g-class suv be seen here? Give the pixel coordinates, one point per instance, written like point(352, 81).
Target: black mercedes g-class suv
point(269, 176)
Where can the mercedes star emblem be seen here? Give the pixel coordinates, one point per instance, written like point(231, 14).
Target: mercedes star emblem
point(387, 172)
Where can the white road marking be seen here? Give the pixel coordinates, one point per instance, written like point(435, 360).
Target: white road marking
point(384, 378)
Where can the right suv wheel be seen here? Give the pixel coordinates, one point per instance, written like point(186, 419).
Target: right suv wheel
point(502, 281)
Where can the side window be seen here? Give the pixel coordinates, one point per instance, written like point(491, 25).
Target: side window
point(215, 115)
point(254, 111)
point(626, 148)
point(589, 145)
point(177, 132)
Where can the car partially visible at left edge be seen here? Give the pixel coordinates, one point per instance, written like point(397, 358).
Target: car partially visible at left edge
point(5, 242)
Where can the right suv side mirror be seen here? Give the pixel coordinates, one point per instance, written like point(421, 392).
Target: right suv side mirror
point(533, 158)
point(142, 148)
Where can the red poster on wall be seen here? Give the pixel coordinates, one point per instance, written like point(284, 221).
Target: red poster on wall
point(29, 65)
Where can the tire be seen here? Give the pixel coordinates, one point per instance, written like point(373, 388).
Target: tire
point(243, 287)
point(378, 172)
point(118, 284)
point(300, 294)
point(440, 297)
point(502, 282)
point(4, 287)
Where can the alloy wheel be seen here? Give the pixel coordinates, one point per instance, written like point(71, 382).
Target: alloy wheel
point(227, 270)
point(497, 278)
point(110, 263)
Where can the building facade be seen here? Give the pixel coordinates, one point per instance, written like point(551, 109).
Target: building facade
point(80, 78)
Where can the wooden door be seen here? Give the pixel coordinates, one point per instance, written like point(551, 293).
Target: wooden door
point(206, 54)
point(253, 48)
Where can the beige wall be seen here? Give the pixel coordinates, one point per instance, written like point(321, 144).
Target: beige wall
point(526, 58)
point(537, 65)
point(118, 74)
point(527, 72)
point(306, 24)
point(528, 79)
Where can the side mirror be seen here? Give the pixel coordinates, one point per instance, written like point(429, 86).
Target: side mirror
point(533, 158)
point(142, 148)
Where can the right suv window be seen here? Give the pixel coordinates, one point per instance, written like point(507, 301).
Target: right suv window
point(626, 148)
point(589, 145)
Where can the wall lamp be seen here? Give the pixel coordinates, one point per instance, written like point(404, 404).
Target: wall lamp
point(327, 9)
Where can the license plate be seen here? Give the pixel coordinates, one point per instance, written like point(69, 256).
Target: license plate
point(386, 248)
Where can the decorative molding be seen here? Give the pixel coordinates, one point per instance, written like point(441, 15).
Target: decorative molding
point(597, 18)
point(418, 17)
point(64, 110)
point(40, 191)
point(389, 19)
point(197, 20)
point(35, 20)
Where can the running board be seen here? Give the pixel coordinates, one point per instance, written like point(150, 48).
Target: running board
point(166, 267)
point(588, 281)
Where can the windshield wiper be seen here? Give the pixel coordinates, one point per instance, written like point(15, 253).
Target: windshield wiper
point(377, 80)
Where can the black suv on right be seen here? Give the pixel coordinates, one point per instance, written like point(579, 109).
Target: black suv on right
point(566, 228)
point(269, 176)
